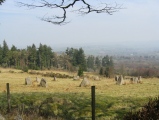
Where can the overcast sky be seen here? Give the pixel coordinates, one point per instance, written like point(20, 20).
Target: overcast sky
point(137, 24)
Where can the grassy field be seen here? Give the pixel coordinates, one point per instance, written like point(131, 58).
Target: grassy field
point(111, 100)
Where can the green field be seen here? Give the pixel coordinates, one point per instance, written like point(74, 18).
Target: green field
point(64, 99)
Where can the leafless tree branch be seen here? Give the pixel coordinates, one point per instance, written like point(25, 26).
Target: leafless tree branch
point(64, 6)
point(1, 1)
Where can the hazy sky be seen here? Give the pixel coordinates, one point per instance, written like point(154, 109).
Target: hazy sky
point(137, 24)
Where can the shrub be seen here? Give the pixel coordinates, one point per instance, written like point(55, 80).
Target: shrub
point(4, 65)
point(32, 72)
point(25, 69)
point(11, 71)
point(149, 112)
point(101, 72)
point(80, 71)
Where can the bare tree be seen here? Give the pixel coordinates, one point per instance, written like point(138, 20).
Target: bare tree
point(1, 1)
point(65, 5)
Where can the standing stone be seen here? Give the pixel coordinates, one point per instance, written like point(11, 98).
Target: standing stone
point(28, 81)
point(1, 117)
point(55, 78)
point(116, 78)
point(18, 117)
point(134, 80)
point(96, 78)
point(139, 79)
point(120, 80)
point(38, 80)
point(84, 83)
point(43, 83)
point(76, 78)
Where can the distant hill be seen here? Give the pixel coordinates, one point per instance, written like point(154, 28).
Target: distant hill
point(114, 50)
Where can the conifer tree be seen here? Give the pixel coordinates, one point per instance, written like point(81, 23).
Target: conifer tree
point(80, 71)
point(81, 61)
point(97, 62)
point(1, 51)
point(107, 63)
point(5, 54)
point(32, 56)
point(90, 62)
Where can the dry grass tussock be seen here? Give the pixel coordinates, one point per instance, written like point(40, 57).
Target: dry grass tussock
point(149, 87)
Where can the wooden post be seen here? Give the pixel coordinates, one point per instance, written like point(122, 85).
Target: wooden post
point(8, 98)
point(93, 102)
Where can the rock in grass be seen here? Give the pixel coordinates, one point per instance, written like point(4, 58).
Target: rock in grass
point(38, 80)
point(85, 82)
point(54, 79)
point(43, 83)
point(1, 117)
point(28, 81)
point(116, 78)
point(76, 78)
point(18, 117)
point(136, 80)
point(96, 78)
point(120, 80)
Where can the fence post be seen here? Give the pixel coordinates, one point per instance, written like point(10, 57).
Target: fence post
point(8, 98)
point(93, 101)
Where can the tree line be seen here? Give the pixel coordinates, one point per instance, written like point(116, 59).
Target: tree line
point(43, 57)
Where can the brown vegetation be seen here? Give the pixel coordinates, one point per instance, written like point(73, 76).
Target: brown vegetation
point(35, 84)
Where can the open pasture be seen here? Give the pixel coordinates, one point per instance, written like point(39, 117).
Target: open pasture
point(105, 86)
point(111, 99)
